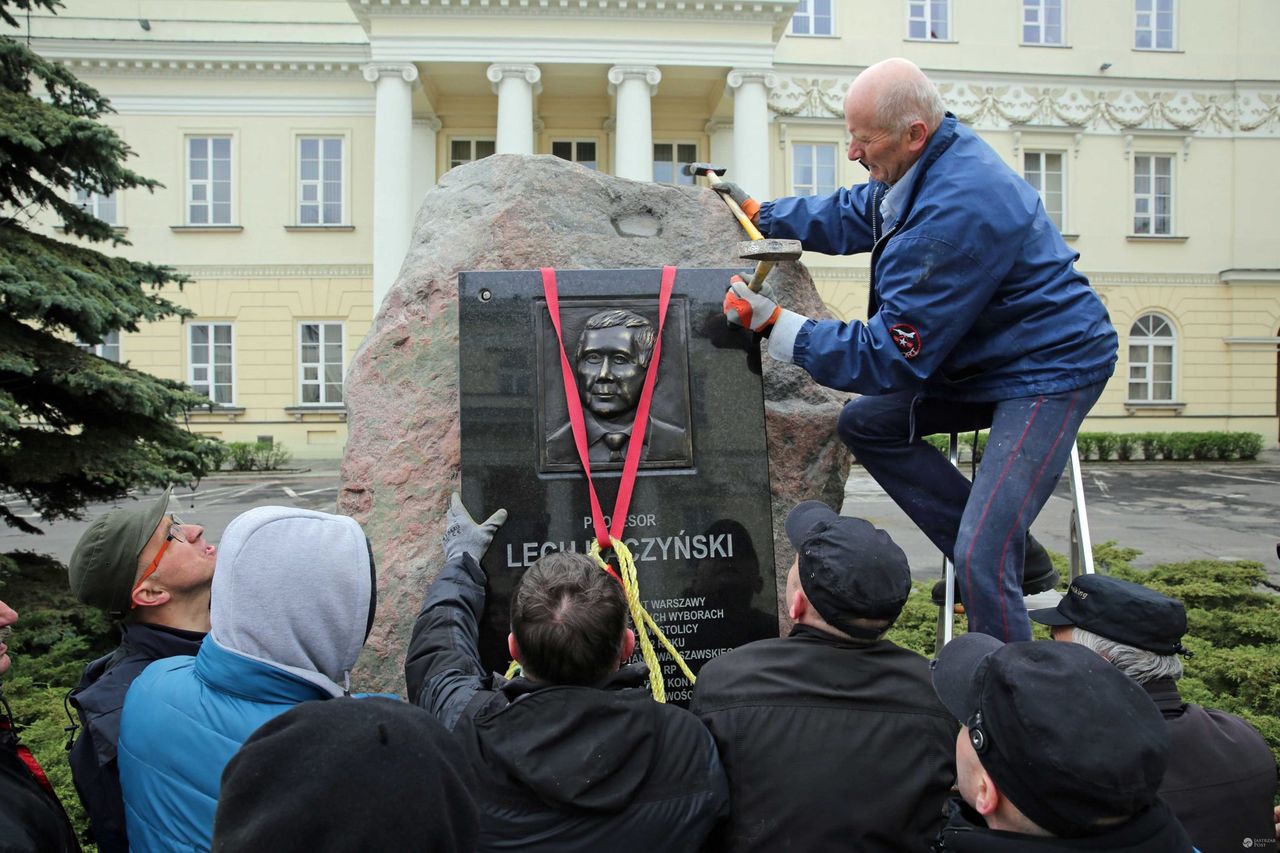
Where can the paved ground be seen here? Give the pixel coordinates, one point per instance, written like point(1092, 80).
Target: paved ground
point(1169, 511)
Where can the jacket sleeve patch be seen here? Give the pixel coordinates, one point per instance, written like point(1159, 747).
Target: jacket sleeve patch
point(906, 339)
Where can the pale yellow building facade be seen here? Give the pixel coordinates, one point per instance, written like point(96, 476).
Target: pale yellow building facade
point(296, 138)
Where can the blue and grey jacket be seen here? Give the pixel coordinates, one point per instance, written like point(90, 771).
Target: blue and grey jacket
point(292, 604)
point(974, 293)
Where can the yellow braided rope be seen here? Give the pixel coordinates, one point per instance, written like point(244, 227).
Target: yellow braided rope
point(642, 620)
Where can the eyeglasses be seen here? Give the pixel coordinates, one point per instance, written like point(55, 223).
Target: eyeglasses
point(177, 530)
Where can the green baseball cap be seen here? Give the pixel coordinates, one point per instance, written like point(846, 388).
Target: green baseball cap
point(105, 560)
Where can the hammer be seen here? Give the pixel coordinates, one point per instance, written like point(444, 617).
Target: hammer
point(760, 249)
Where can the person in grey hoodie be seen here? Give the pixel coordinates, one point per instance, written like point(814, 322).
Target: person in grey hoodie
point(292, 604)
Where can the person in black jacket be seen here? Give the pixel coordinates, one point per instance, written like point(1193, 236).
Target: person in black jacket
point(1221, 780)
point(832, 737)
point(153, 572)
point(574, 754)
point(32, 819)
point(1057, 751)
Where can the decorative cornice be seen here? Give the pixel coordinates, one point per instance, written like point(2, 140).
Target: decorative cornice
point(224, 67)
point(1247, 276)
point(372, 72)
point(209, 272)
point(717, 125)
point(241, 105)
point(1229, 109)
point(514, 46)
point(499, 71)
point(738, 77)
point(432, 123)
point(648, 73)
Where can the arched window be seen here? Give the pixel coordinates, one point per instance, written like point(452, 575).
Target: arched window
point(1151, 354)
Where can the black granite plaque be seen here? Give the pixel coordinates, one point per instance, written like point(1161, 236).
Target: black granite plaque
point(699, 524)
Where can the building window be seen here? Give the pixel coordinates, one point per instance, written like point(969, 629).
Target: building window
point(469, 150)
point(1153, 194)
point(669, 159)
point(208, 180)
point(1043, 170)
point(1153, 26)
point(1151, 346)
point(812, 18)
point(320, 180)
point(320, 358)
point(102, 206)
point(108, 349)
point(210, 368)
point(929, 20)
point(578, 151)
point(813, 169)
point(1042, 22)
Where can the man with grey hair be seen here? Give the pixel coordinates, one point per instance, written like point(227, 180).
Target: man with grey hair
point(1221, 779)
point(977, 319)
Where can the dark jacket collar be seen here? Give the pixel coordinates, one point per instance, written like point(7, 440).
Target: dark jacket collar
point(1164, 692)
point(160, 641)
point(817, 635)
point(1155, 830)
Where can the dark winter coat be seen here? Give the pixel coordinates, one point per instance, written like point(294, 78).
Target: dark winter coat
point(1155, 830)
point(563, 768)
point(829, 744)
point(32, 819)
point(1221, 779)
point(98, 699)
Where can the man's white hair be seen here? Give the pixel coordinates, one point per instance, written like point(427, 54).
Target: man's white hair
point(901, 102)
point(1139, 664)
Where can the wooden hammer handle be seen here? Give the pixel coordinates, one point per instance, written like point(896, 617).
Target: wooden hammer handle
point(747, 225)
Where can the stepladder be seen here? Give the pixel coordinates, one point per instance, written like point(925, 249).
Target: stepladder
point(1080, 545)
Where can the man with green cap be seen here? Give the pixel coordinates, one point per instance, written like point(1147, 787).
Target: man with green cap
point(152, 571)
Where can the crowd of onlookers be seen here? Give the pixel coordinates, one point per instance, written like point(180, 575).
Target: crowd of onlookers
point(209, 727)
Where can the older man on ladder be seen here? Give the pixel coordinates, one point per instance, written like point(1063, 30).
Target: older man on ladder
point(977, 319)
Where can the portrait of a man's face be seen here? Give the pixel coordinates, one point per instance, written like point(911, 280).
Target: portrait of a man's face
point(610, 356)
point(611, 361)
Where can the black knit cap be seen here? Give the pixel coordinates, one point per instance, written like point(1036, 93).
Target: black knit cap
point(348, 775)
point(849, 568)
point(1067, 737)
point(1125, 612)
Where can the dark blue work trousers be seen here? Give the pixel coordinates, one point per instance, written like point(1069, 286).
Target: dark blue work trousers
point(981, 525)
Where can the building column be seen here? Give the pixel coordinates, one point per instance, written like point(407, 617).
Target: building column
point(423, 174)
point(751, 129)
point(721, 136)
point(393, 163)
point(515, 86)
point(634, 86)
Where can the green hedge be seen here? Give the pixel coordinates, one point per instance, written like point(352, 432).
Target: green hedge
point(1233, 630)
point(1143, 446)
point(257, 456)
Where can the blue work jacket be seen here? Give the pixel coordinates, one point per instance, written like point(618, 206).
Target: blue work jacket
point(974, 293)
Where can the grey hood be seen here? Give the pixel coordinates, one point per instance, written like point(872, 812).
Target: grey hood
point(294, 588)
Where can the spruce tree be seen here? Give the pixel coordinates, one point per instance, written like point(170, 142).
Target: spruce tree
point(75, 428)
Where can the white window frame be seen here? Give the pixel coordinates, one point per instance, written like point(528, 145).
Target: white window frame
point(927, 18)
point(1149, 339)
point(105, 207)
point(206, 186)
point(1147, 170)
point(1038, 9)
point(471, 140)
point(108, 349)
point(1146, 21)
point(677, 177)
point(574, 142)
point(813, 187)
point(303, 183)
point(1040, 183)
point(208, 378)
point(807, 12)
point(319, 380)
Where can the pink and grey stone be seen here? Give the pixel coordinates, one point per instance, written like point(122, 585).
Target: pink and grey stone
point(511, 212)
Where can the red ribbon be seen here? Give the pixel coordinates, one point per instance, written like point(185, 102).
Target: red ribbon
point(635, 444)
